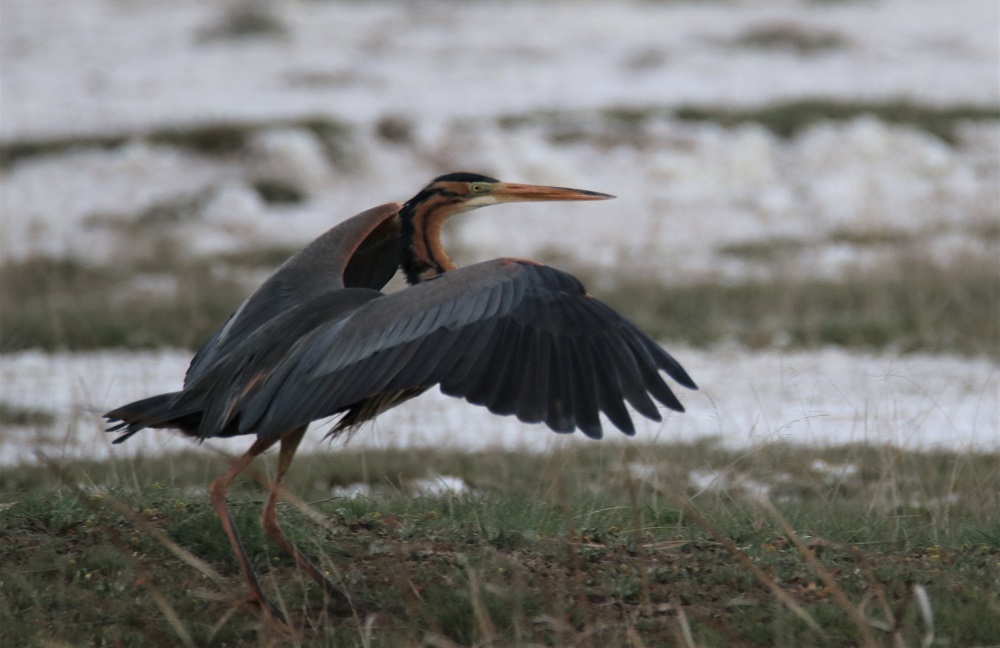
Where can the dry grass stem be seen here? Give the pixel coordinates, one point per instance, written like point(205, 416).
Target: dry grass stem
point(540, 550)
point(824, 574)
point(690, 511)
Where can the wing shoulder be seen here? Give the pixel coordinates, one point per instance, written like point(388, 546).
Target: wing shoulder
point(360, 252)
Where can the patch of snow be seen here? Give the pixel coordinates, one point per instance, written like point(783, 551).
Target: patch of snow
point(721, 481)
point(687, 188)
point(291, 155)
point(430, 486)
point(827, 397)
point(686, 196)
point(643, 471)
point(353, 491)
point(439, 485)
point(703, 480)
point(79, 204)
point(934, 502)
point(103, 66)
point(232, 204)
point(832, 471)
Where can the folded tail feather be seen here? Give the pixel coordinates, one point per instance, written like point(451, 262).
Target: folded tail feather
point(154, 412)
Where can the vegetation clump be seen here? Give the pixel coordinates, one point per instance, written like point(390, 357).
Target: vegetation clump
point(862, 545)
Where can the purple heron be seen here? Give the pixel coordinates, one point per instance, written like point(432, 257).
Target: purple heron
point(318, 339)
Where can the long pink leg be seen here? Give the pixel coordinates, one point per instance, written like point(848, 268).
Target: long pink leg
point(218, 491)
point(289, 444)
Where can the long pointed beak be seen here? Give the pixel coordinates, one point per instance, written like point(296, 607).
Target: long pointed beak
point(513, 192)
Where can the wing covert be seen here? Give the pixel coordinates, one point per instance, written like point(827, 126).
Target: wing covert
point(518, 339)
point(360, 252)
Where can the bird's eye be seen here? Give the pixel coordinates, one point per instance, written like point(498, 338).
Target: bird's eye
point(478, 187)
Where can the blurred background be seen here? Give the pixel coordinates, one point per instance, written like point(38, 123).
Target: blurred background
point(808, 210)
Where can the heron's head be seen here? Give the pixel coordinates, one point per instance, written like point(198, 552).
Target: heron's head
point(421, 254)
point(455, 193)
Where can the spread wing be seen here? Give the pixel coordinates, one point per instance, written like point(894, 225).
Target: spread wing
point(360, 252)
point(514, 337)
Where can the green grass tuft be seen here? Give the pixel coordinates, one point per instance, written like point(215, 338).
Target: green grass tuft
point(14, 151)
point(24, 416)
point(215, 139)
point(790, 36)
point(790, 118)
point(763, 250)
point(64, 304)
point(783, 118)
point(920, 309)
point(219, 139)
point(245, 21)
point(544, 549)
point(279, 192)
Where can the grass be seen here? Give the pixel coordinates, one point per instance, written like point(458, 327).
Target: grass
point(638, 545)
point(603, 544)
point(788, 119)
point(790, 36)
point(15, 415)
point(214, 139)
point(769, 249)
point(783, 118)
point(912, 307)
point(279, 192)
point(64, 304)
point(245, 21)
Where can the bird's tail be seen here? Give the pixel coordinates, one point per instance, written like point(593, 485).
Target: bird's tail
point(159, 411)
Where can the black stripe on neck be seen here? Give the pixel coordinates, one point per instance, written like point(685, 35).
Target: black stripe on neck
point(413, 267)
